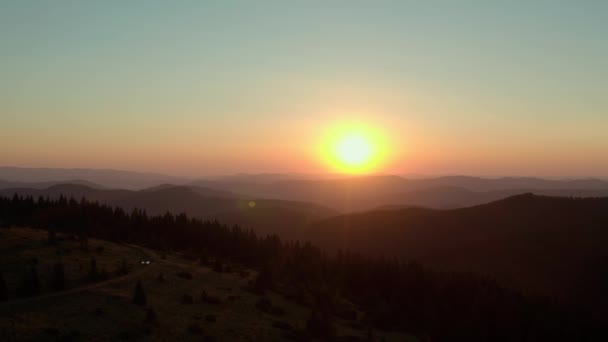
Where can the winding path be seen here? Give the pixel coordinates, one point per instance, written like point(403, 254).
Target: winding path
point(149, 254)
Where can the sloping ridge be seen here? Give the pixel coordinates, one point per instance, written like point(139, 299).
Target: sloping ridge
point(527, 241)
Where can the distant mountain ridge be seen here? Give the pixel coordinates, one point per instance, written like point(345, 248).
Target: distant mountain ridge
point(366, 192)
point(4, 184)
point(103, 177)
point(340, 193)
point(266, 216)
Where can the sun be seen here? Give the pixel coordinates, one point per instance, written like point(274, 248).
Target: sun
point(353, 148)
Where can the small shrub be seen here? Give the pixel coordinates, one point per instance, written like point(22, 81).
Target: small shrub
point(103, 274)
point(123, 268)
point(3, 290)
point(139, 296)
point(203, 260)
point(83, 240)
point(189, 256)
point(58, 277)
point(52, 236)
point(187, 299)
point(52, 331)
point(347, 314)
point(265, 305)
point(320, 325)
point(29, 285)
point(184, 275)
point(282, 325)
point(264, 281)
point(127, 336)
point(207, 298)
point(151, 317)
point(93, 274)
point(73, 335)
point(218, 266)
point(277, 311)
point(195, 329)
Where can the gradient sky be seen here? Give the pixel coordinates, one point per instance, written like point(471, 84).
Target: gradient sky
point(201, 87)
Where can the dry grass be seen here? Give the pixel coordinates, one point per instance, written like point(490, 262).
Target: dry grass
point(107, 313)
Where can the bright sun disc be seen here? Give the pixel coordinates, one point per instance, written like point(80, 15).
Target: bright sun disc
point(353, 148)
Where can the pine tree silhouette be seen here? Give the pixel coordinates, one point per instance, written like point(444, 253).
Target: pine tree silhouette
point(58, 278)
point(3, 290)
point(139, 296)
point(52, 236)
point(29, 284)
point(320, 325)
point(93, 274)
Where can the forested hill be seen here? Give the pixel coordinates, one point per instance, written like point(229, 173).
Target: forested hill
point(528, 241)
point(390, 294)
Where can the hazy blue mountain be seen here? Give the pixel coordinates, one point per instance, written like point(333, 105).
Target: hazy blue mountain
point(4, 184)
point(363, 193)
point(106, 178)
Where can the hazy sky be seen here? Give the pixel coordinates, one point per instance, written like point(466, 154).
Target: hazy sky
point(202, 87)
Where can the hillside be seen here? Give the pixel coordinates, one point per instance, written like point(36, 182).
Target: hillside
point(185, 300)
point(527, 241)
point(348, 295)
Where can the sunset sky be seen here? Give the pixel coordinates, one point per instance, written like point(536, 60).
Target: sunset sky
point(199, 87)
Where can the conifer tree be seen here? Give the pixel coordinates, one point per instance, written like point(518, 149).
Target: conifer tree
point(123, 269)
point(52, 236)
point(3, 290)
point(35, 281)
point(29, 284)
point(58, 278)
point(93, 274)
point(320, 325)
point(139, 296)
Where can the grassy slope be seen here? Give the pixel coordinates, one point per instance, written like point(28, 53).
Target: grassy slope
point(106, 312)
point(21, 249)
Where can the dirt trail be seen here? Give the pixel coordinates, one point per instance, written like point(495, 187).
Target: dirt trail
point(150, 255)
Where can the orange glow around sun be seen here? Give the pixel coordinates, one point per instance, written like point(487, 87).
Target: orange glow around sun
point(354, 148)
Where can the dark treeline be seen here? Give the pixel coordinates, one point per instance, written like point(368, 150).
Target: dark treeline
point(393, 294)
